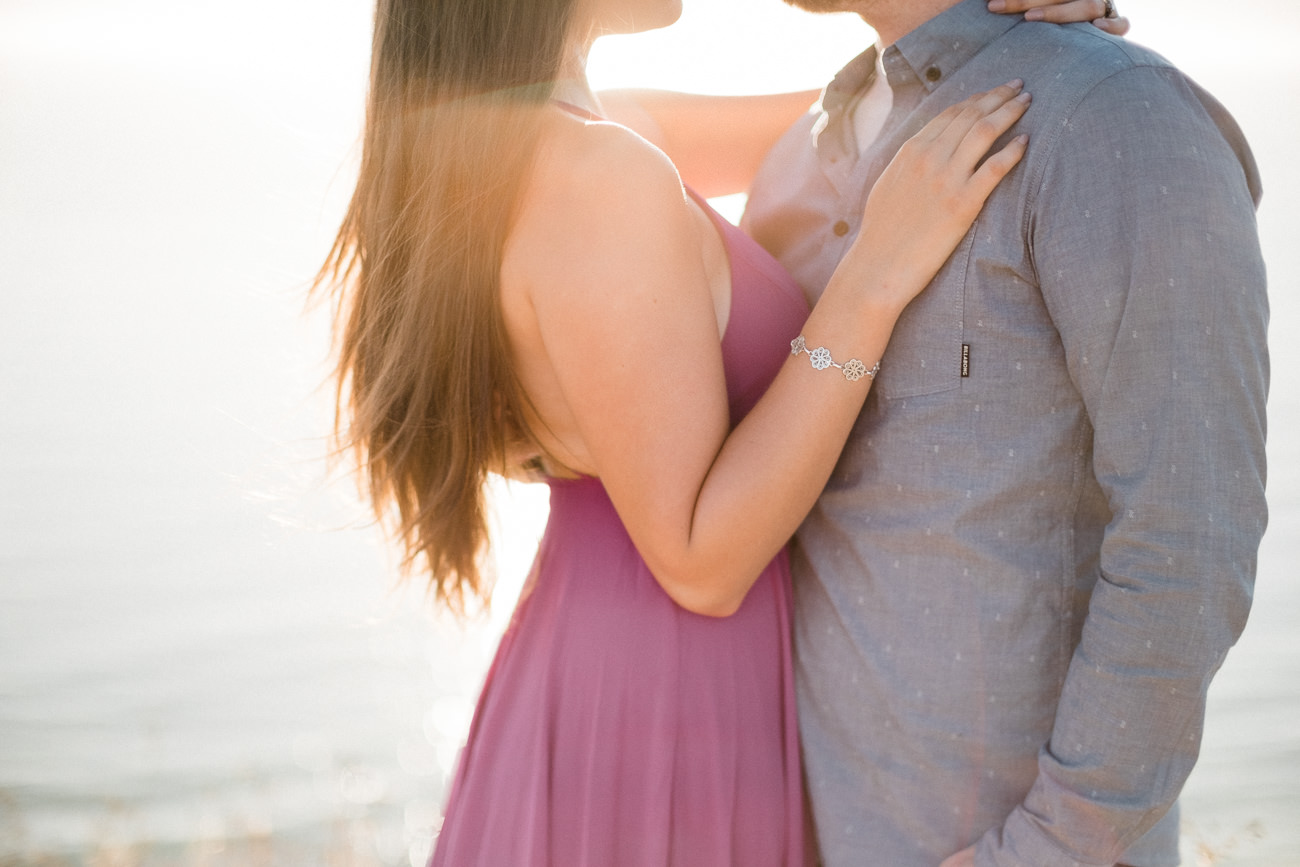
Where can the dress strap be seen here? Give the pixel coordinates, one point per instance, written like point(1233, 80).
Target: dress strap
point(577, 109)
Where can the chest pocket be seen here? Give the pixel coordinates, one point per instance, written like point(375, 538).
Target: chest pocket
point(924, 355)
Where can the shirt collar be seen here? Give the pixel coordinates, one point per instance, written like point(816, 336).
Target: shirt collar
point(848, 82)
point(940, 47)
point(930, 55)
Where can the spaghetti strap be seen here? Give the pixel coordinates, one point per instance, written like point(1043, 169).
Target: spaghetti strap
point(577, 109)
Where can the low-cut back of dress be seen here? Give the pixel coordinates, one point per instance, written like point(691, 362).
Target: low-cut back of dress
point(617, 729)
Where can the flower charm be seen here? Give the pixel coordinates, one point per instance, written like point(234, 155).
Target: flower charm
point(854, 370)
point(821, 359)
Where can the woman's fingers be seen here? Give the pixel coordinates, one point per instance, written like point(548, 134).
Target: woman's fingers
point(1117, 26)
point(997, 166)
point(951, 125)
point(1099, 12)
point(947, 159)
point(1052, 10)
point(986, 129)
point(963, 133)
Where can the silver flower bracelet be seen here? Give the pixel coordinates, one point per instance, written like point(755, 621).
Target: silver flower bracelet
point(821, 359)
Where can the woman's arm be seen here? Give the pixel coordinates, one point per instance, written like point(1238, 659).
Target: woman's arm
point(621, 305)
point(716, 142)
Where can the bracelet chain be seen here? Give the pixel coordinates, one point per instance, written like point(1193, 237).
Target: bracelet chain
point(821, 359)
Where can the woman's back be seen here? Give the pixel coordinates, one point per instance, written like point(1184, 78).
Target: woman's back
point(627, 729)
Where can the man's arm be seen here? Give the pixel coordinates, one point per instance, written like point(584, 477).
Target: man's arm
point(1143, 235)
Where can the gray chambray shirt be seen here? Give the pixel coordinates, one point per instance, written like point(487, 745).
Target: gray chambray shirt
point(1041, 539)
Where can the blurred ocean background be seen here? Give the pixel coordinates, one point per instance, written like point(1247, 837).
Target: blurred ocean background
point(202, 656)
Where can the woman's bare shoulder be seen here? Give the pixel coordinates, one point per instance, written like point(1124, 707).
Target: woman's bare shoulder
point(603, 253)
point(601, 157)
point(594, 186)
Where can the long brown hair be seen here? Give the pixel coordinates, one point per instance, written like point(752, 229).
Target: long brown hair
point(427, 400)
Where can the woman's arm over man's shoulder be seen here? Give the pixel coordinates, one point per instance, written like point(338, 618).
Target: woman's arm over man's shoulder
point(717, 142)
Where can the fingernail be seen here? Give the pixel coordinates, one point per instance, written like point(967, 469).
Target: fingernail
point(1035, 14)
point(1021, 139)
point(1024, 97)
point(1015, 84)
point(997, 5)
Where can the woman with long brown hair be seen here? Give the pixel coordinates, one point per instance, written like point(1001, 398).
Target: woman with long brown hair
point(520, 284)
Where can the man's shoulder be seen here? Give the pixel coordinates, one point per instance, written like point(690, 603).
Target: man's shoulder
point(1078, 73)
point(1079, 42)
point(1056, 60)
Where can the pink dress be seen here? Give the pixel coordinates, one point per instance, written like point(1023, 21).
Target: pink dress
point(617, 729)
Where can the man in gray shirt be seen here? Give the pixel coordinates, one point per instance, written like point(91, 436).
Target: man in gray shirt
point(1041, 539)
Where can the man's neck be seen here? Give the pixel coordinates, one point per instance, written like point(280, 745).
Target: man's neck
point(894, 19)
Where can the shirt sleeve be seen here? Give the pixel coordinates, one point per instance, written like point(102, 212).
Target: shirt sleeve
point(1142, 232)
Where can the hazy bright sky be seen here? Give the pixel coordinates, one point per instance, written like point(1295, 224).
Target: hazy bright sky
point(719, 45)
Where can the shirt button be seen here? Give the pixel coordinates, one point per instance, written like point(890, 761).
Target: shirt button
point(840, 229)
point(933, 74)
